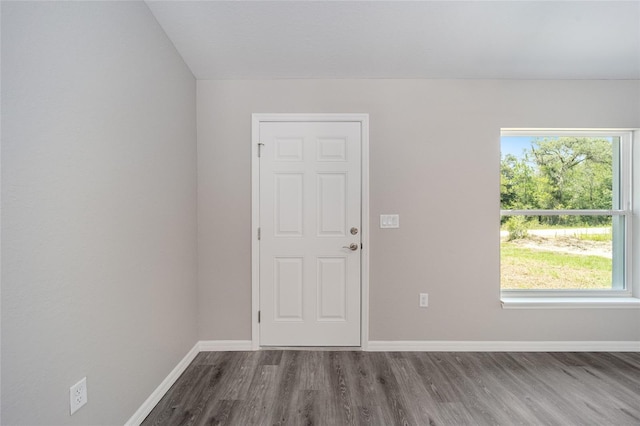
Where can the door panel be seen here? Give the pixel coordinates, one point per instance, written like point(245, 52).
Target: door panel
point(288, 282)
point(288, 201)
point(332, 288)
point(332, 204)
point(310, 198)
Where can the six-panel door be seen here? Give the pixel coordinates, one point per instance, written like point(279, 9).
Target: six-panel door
point(310, 199)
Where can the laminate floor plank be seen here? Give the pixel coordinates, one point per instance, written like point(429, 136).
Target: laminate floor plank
point(619, 372)
point(628, 358)
point(340, 388)
point(580, 397)
point(257, 408)
point(225, 376)
point(611, 405)
point(421, 403)
point(313, 370)
point(562, 388)
point(293, 387)
point(493, 395)
point(538, 398)
point(306, 410)
point(270, 357)
point(242, 373)
point(368, 416)
point(360, 385)
point(388, 395)
point(534, 397)
point(287, 384)
point(217, 412)
point(433, 378)
point(468, 392)
point(186, 400)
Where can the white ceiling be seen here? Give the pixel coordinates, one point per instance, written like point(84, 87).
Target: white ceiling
point(398, 39)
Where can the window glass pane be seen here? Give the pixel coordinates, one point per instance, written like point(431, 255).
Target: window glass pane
point(535, 255)
point(558, 172)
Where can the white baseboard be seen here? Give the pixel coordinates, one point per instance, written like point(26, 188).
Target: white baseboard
point(162, 389)
point(502, 346)
point(224, 345)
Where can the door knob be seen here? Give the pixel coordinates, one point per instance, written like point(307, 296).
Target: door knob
point(352, 247)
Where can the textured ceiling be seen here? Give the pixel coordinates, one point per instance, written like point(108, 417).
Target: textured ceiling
point(398, 39)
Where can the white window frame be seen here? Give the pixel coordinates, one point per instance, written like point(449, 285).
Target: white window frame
point(622, 252)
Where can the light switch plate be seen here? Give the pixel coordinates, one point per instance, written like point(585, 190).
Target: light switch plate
point(389, 221)
point(424, 300)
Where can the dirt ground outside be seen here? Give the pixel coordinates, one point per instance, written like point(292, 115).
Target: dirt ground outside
point(566, 244)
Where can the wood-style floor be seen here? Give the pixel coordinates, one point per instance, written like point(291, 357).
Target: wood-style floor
point(276, 387)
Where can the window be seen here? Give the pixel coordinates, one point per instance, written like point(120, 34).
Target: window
point(565, 200)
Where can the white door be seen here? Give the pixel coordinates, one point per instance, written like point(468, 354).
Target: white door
point(310, 208)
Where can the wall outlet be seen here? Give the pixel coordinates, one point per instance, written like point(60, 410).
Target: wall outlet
point(424, 300)
point(78, 395)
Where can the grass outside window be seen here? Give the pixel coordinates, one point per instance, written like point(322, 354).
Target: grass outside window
point(525, 268)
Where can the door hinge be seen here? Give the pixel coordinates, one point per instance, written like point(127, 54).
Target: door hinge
point(258, 234)
point(258, 317)
point(260, 145)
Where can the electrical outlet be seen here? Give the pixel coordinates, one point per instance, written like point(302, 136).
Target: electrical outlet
point(424, 300)
point(78, 395)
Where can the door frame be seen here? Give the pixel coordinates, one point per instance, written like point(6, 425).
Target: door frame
point(258, 118)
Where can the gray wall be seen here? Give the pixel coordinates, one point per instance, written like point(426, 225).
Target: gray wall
point(99, 209)
point(435, 157)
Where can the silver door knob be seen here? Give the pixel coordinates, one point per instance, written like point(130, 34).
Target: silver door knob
point(352, 247)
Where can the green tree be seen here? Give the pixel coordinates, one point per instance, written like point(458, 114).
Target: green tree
point(517, 183)
point(560, 173)
point(569, 163)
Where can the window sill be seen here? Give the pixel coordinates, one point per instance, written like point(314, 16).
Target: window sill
point(570, 303)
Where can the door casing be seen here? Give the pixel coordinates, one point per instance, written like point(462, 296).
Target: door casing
point(256, 119)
